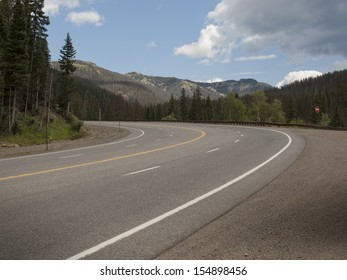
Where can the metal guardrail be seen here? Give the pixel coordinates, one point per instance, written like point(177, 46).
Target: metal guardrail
point(254, 124)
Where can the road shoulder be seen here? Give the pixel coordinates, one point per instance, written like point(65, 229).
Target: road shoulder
point(95, 135)
point(302, 214)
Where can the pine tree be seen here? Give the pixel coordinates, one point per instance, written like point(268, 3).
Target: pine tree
point(208, 109)
point(66, 61)
point(16, 63)
point(183, 105)
point(3, 43)
point(38, 53)
point(171, 110)
point(199, 113)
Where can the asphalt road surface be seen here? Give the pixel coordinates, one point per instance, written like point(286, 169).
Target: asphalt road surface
point(137, 197)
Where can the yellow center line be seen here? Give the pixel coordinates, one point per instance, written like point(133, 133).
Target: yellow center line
point(202, 135)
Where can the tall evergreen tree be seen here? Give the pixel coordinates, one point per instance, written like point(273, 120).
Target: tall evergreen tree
point(171, 110)
point(38, 52)
point(3, 43)
point(183, 105)
point(66, 61)
point(208, 109)
point(198, 99)
point(16, 62)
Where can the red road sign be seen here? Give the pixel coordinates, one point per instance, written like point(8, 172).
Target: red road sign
point(316, 109)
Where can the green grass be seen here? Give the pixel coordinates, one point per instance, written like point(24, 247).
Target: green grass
point(27, 131)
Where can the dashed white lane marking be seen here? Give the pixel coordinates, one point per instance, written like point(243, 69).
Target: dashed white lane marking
point(158, 219)
point(141, 171)
point(238, 140)
point(214, 150)
point(130, 146)
point(72, 156)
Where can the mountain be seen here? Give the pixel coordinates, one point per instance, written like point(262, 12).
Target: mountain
point(241, 87)
point(214, 90)
point(152, 89)
point(173, 86)
point(118, 84)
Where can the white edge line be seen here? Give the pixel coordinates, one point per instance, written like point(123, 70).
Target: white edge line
point(141, 171)
point(180, 208)
point(78, 149)
point(131, 146)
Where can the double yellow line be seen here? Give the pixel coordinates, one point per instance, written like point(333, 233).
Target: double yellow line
point(202, 135)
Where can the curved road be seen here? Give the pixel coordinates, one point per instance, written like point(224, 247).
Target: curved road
point(137, 197)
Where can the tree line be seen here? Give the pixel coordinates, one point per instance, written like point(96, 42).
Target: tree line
point(328, 92)
point(229, 108)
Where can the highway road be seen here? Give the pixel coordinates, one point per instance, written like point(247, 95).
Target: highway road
point(136, 197)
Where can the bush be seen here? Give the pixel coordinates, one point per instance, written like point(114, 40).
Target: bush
point(170, 117)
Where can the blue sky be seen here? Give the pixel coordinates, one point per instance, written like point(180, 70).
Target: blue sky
point(204, 40)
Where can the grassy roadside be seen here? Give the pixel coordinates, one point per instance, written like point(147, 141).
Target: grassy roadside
point(28, 131)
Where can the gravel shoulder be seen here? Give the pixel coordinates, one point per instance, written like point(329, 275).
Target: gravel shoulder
point(95, 135)
point(302, 214)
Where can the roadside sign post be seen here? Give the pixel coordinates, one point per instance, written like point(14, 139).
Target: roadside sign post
point(317, 109)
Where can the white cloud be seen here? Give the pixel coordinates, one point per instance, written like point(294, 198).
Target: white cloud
point(308, 27)
point(52, 7)
point(298, 76)
point(90, 16)
point(151, 45)
point(86, 17)
point(214, 80)
point(208, 45)
point(258, 57)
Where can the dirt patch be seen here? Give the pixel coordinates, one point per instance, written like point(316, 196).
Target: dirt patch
point(95, 135)
point(302, 214)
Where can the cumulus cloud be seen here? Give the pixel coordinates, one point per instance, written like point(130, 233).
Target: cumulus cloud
point(89, 16)
point(309, 27)
point(86, 17)
point(297, 76)
point(208, 46)
point(52, 7)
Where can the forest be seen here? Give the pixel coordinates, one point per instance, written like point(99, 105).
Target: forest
point(329, 92)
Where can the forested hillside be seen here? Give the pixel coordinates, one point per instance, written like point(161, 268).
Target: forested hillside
point(329, 92)
point(91, 102)
point(172, 86)
point(24, 61)
point(130, 89)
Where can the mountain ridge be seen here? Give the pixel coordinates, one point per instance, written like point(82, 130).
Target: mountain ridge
point(156, 89)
